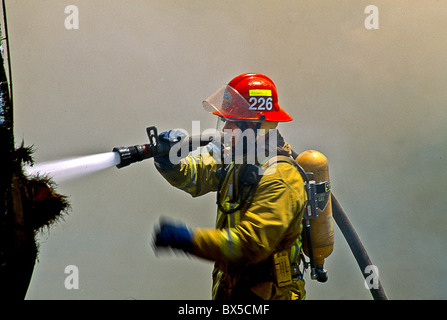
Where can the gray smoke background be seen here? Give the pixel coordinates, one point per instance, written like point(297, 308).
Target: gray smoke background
point(373, 101)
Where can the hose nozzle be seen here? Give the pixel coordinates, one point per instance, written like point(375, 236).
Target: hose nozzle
point(131, 154)
point(138, 153)
point(154, 148)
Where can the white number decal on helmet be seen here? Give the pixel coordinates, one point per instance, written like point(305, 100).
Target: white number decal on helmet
point(261, 104)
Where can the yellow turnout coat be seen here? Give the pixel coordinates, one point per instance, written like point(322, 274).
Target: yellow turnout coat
point(243, 243)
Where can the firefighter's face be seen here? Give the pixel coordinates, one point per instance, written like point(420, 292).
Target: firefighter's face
point(234, 129)
point(230, 125)
point(231, 128)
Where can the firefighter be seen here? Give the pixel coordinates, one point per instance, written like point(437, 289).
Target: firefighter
point(256, 243)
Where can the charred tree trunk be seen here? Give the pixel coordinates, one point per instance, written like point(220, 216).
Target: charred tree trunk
point(26, 203)
point(17, 246)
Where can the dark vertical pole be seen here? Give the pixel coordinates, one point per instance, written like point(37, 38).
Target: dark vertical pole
point(17, 245)
point(6, 156)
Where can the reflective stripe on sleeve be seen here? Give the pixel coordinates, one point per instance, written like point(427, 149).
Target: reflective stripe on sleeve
point(191, 181)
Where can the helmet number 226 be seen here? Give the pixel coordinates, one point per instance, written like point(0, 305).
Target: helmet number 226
point(261, 103)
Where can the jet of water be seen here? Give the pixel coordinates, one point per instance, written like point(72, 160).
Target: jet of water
point(67, 169)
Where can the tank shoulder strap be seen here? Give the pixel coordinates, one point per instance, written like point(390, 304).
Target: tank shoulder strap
point(277, 159)
point(289, 160)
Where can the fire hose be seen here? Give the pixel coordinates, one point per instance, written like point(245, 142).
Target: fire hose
point(356, 245)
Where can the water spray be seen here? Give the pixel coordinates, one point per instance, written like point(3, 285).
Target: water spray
point(68, 169)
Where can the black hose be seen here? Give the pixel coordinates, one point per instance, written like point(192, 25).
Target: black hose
point(356, 246)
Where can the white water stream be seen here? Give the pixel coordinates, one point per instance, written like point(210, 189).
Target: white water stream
point(67, 169)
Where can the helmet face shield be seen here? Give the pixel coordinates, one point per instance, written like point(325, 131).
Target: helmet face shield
point(220, 124)
point(226, 102)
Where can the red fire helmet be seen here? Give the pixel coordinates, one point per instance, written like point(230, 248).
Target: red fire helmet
point(248, 97)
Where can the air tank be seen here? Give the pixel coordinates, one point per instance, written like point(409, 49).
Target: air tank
point(321, 228)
